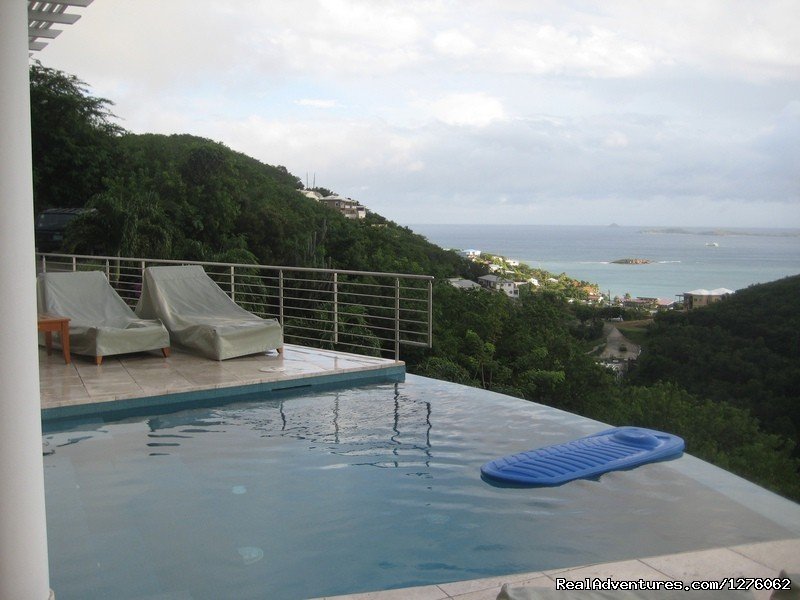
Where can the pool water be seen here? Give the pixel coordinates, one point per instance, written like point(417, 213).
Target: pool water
point(368, 488)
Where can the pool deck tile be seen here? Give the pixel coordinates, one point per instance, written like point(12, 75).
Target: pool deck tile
point(628, 570)
point(777, 555)
point(764, 559)
point(694, 566)
point(463, 588)
point(149, 374)
point(426, 592)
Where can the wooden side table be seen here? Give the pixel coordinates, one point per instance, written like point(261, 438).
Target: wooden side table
point(50, 323)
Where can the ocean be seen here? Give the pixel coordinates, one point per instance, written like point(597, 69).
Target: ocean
point(682, 259)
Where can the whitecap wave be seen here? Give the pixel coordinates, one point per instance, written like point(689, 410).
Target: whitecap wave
point(251, 554)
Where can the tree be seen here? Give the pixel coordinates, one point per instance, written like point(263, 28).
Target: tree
point(213, 183)
point(127, 220)
point(73, 137)
point(478, 357)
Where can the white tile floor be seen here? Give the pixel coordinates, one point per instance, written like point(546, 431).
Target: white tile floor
point(150, 374)
point(766, 559)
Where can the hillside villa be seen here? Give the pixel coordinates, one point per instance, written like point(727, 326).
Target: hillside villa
point(463, 284)
point(701, 297)
point(499, 284)
point(647, 303)
point(352, 209)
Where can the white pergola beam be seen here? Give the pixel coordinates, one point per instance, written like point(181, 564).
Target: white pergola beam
point(52, 17)
point(41, 15)
point(81, 3)
point(44, 33)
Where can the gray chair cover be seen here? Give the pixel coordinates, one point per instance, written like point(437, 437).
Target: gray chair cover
point(200, 316)
point(101, 324)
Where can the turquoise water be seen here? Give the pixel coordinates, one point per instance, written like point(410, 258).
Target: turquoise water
point(680, 261)
point(356, 490)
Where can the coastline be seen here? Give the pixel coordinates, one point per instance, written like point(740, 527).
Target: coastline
point(680, 262)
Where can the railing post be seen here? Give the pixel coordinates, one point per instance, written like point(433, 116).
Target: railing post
point(44, 264)
point(74, 263)
point(430, 313)
point(397, 318)
point(280, 298)
point(108, 270)
point(336, 308)
point(233, 285)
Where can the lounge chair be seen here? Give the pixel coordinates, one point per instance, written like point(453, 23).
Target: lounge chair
point(201, 317)
point(101, 324)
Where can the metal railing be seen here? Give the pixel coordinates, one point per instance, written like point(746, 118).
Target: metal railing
point(358, 311)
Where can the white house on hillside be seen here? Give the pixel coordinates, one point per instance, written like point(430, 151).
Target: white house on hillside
point(493, 282)
point(701, 297)
point(347, 206)
point(311, 194)
point(463, 284)
point(350, 208)
point(469, 253)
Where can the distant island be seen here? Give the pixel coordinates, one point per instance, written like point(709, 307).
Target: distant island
point(720, 232)
point(631, 261)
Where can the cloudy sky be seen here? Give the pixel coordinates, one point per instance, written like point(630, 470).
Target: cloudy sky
point(468, 111)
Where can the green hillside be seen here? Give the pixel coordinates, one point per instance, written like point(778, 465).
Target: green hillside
point(744, 350)
point(182, 196)
point(726, 378)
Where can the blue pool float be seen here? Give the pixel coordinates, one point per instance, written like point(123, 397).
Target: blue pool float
point(590, 456)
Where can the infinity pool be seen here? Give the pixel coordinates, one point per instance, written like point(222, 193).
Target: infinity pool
point(369, 488)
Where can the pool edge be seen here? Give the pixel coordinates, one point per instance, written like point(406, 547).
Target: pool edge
point(394, 373)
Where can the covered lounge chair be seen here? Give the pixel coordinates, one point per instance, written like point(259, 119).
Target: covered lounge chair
point(201, 317)
point(101, 324)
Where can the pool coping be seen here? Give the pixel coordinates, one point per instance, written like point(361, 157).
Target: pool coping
point(121, 407)
point(756, 560)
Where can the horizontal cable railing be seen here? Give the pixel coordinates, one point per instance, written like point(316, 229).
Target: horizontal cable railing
point(357, 311)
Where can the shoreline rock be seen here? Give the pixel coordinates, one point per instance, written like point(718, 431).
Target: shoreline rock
point(631, 261)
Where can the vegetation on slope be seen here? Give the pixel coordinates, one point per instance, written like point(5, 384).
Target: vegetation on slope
point(743, 351)
point(531, 349)
point(522, 347)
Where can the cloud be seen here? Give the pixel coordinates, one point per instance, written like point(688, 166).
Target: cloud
point(360, 152)
point(616, 139)
point(542, 49)
point(454, 43)
point(468, 110)
point(340, 37)
point(316, 103)
point(752, 41)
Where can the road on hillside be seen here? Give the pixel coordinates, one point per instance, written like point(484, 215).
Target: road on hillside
point(617, 345)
